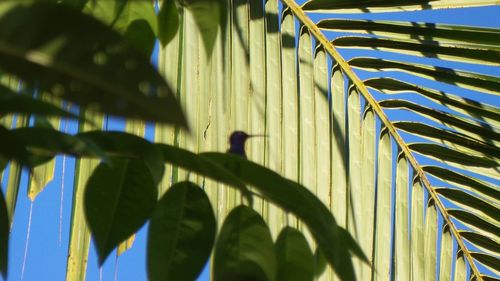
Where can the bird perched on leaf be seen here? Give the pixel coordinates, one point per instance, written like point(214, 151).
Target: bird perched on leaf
point(237, 142)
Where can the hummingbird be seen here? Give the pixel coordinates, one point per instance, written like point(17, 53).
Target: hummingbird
point(237, 142)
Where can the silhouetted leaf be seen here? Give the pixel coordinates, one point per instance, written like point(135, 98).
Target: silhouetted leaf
point(181, 234)
point(244, 249)
point(335, 242)
point(17, 103)
point(294, 257)
point(168, 21)
point(208, 15)
point(118, 200)
point(4, 236)
point(128, 145)
point(96, 68)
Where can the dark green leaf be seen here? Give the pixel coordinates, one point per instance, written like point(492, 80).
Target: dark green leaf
point(469, 80)
point(202, 166)
point(320, 263)
point(451, 155)
point(46, 142)
point(118, 200)
point(476, 222)
point(244, 249)
point(136, 20)
point(482, 242)
point(208, 16)
point(128, 145)
point(11, 102)
point(294, 257)
point(488, 260)
point(449, 51)
point(464, 181)
point(14, 147)
point(335, 242)
point(421, 30)
point(481, 111)
point(472, 203)
point(168, 21)
point(467, 125)
point(181, 234)
point(449, 136)
point(4, 236)
point(96, 68)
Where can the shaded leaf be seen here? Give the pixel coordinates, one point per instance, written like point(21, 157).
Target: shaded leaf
point(128, 145)
point(294, 257)
point(181, 234)
point(208, 15)
point(474, 204)
point(168, 21)
point(466, 182)
point(11, 102)
point(118, 200)
point(244, 249)
point(476, 223)
point(454, 52)
point(456, 140)
point(335, 242)
point(346, 6)
point(416, 30)
point(473, 108)
point(473, 163)
point(469, 80)
point(320, 263)
point(482, 242)
point(489, 261)
point(202, 166)
point(68, 61)
point(136, 20)
point(4, 236)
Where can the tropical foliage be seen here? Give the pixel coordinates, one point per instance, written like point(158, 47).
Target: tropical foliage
point(418, 191)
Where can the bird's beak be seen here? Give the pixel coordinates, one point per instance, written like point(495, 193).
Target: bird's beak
point(262, 136)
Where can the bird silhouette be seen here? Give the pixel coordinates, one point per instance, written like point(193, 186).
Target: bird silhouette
point(237, 142)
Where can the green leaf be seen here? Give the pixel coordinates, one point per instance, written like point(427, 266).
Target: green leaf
point(466, 182)
point(464, 79)
point(136, 20)
point(118, 200)
point(335, 242)
point(14, 147)
point(491, 262)
point(416, 30)
point(452, 157)
point(47, 142)
point(294, 257)
point(320, 263)
point(447, 51)
point(11, 102)
point(168, 21)
point(475, 129)
point(244, 249)
point(476, 223)
point(202, 166)
point(4, 236)
point(208, 16)
point(129, 145)
point(481, 111)
point(450, 138)
point(349, 6)
point(68, 61)
point(484, 243)
point(471, 203)
point(181, 234)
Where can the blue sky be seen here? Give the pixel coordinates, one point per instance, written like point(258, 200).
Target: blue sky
point(46, 256)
